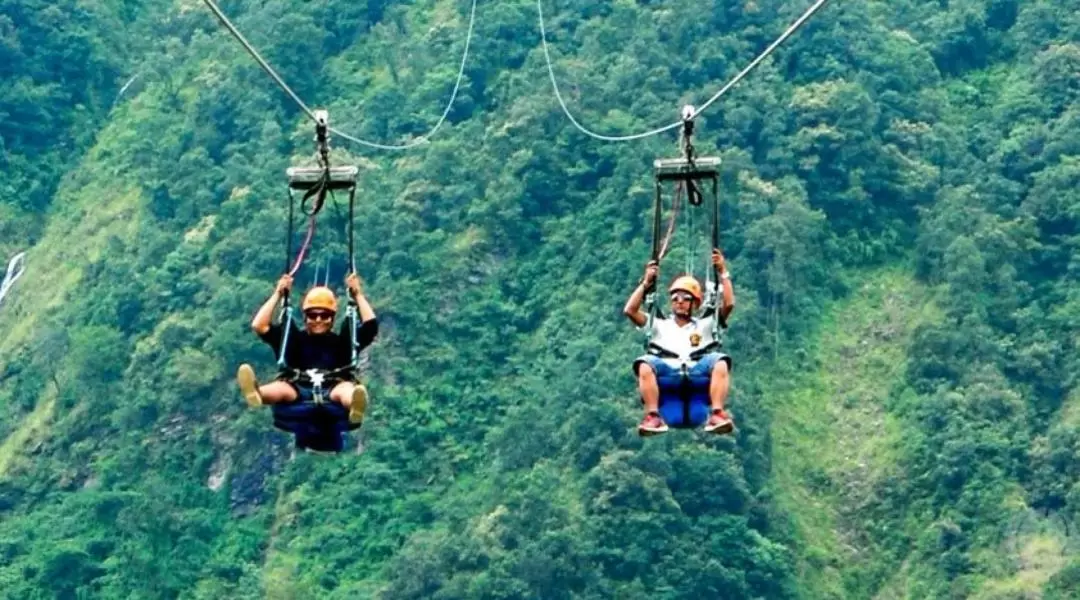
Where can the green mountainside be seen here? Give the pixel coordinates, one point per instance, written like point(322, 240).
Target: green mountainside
point(901, 218)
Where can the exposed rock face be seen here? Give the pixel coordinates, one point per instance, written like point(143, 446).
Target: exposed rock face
point(249, 484)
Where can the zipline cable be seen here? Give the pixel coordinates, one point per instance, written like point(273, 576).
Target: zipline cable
point(453, 95)
point(255, 54)
point(625, 138)
point(780, 40)
point(270, 71)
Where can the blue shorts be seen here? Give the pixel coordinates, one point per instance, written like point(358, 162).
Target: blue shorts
point(670, 377)
point(684, 406)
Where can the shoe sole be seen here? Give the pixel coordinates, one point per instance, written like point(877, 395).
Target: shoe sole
point(245, 376)
point(359, 405)
point(643, 432)
point(721, 429)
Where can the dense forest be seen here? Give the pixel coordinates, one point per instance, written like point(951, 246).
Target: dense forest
point(901, 217)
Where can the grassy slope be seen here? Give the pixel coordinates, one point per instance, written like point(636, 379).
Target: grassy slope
point(823, 475)
point(832, 435)
point(1038, 545)
point(76, 235)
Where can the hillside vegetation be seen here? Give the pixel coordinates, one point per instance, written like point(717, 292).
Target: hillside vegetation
point(901, 218)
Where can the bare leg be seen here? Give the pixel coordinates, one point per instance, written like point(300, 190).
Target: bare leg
point(719, 383)
point(342, 393)
point(255, 395)
point(352, 396)
point(650, 390)
point(652, 423)
point(277, 392)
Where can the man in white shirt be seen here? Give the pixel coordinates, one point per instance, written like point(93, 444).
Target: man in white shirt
point(682, 345)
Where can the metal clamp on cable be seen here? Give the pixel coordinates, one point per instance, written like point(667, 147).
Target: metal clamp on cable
point(322, 140)
point(688, 130)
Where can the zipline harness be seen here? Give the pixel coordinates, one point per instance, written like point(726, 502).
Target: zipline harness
point(317, 182)
point(687, 172)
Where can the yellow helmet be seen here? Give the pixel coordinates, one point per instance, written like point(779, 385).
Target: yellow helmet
point(688, 284)
point(320, 297)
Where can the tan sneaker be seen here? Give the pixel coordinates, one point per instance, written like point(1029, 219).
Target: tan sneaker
point(249, 388)
point(359, 405)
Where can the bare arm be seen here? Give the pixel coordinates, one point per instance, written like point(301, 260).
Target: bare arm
point(367, 327)
point(261, 323)
point(352, 282)
point(632, 310)
point(633, 306)
point(727, 302)
point(366, 312)
point(727, 305)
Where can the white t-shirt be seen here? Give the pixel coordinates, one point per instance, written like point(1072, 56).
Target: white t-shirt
point(681, 341)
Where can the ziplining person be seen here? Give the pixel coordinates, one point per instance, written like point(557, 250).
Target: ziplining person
point(315, 347)
point(683, 352)
point(684, 376)
point(316, 395)
point(682, 346)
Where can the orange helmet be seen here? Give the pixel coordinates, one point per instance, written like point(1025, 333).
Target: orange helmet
point(688, 284)
point(320, 297)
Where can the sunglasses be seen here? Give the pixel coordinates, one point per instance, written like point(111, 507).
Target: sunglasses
point(319, 315)
point(681, 298)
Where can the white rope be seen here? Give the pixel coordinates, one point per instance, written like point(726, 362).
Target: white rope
point(623, 138)
point(270, 71)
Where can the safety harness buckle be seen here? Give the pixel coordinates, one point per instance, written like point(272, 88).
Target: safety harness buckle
point(317, 377)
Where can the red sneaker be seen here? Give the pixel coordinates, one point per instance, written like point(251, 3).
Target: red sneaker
point(719, 422)
point(652, 424)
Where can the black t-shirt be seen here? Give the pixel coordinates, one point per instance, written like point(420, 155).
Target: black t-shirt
point(326, 351)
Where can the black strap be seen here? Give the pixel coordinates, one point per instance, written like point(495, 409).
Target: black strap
point(657, 208)
point(354, 310)
point(716, 213)
point(661, 352)
point(721, 318)
point(700, 352)
point(289, 234)
point(657, 351)
point(285, 306)
point(352, 220)
point(317, 191)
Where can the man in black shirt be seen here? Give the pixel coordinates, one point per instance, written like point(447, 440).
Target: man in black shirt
point(314, 347)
